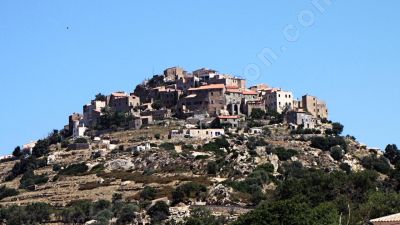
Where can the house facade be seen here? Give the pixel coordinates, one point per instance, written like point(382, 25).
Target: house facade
point(315, 106)
point(279, 100)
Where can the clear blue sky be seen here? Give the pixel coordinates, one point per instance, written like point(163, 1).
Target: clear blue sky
point(345, 53)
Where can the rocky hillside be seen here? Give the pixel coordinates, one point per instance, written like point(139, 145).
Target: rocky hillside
point(145, 177)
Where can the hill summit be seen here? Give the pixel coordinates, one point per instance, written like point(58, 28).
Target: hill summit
point(199, 148)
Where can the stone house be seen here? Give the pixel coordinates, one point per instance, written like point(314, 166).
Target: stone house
point(161, 114)
point(278, 100)
point(123, 103)
point(174, 74)
point(229, 81)
point(92, 111)
point(234, 97)
point(187, 82)
point(259, 87)
point(315, 106)
point(231, 121)
point(249, 106)
point(169, 97)
point(205, 74)
point(73, 121)
point(209, 99)
point(306, 119)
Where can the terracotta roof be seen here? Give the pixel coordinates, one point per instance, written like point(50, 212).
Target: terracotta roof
point(233, 91)
point(232, 87)
point(250, 93)
point(119, 94)
point(208, 87)
point(391, 218)
point(229, 117)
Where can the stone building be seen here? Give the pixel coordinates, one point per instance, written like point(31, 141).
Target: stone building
point(92, 111)
point(123, 103)
point(233, 98)
point(315, 106)
point(209, 99)
point(278, 100)
point(249, 106)
point(306, 119)
point(205, 74)
point(174, 74)
point(229, 81)
point(231, 121)
point(169, 97)
point(73, 121)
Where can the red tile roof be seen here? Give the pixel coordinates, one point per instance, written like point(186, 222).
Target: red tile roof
point(250, 93)
point(208, 87)
point(233, 91)
point(119, 94)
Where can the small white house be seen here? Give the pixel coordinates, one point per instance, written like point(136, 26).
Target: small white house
point(255, 130)
point(206, 133)
point(79, 129)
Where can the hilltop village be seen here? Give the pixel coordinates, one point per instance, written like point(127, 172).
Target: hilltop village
point(199, 148)
point(206, 99)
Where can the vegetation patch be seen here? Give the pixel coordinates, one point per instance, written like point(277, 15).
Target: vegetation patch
point(79, 169)
point(7, 192)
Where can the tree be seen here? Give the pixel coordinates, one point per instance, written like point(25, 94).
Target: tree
point(7, 192)
point(257, 114)
point(41, 148)
point(337, 153)
point(212, 168)
point(159, 212)
point(337, 128)
point(127, 214)
point(100, 97)
point(148, 193)
point(17, 153)
point(285, 154)
point(392, 153)
point(380, 164)
point(38, 212)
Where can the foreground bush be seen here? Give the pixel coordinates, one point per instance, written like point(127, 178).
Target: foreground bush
point(7, 192)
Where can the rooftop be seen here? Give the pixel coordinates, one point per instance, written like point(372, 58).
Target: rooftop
point(391, 218)
point(208, 87)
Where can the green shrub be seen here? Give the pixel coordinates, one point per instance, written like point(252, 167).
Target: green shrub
point(212, 168)
point(326, 143)
point(186, 191)
point(257, 114)
point(159, 212)
point(7, 192)
point(26, 164)
point(337, 153)
point(285, 154)
point(378, 164)
point(167, 146)
point(255, 142)
point(127, 214)
point(74, 170)
point(81, 140)
point(29, 180)
point(148, 193)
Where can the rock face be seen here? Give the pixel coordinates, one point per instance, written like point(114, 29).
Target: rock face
point(120, 164)
point(219, 195)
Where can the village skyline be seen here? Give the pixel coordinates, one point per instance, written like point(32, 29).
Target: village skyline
point(52, 63)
